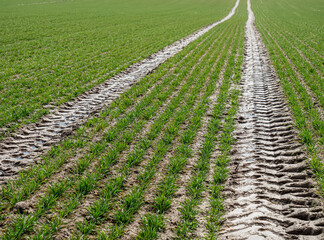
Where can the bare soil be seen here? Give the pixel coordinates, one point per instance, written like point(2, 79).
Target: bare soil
point(269, 194)
point(33, 140)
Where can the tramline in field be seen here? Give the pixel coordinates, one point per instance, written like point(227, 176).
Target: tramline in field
point(222, 139)
point(52, 53)
point(61, 121)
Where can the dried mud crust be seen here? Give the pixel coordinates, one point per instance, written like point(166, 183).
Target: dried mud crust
point(29, 142)
point(269, 194)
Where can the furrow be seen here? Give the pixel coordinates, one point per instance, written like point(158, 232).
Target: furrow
point(74, 113)
point(269, 194)
point(318, 56)
point(311, 85)
point(127, 154)
point(306, 118)
point(75, 196)
point(164, 185)
point(208, 216)
point(122, 224)
point(26, 186)
point(187, 226)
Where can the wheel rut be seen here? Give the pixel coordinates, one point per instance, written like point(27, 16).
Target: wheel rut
point(269, 193)
point(32, 140)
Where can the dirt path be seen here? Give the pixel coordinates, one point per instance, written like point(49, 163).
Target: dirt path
point(269, 194)
point(32, 140)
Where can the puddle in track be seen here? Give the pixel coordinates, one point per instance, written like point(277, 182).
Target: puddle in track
point(34, 139)
point(269, 194)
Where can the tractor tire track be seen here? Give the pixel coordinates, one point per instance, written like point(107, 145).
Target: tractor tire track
point(269, 194)
point(32, 140)
point(306, 85)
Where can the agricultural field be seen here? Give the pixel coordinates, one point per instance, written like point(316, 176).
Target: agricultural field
point(52, 51)
point(216, 136)
point(294, 35)
point(120, 173)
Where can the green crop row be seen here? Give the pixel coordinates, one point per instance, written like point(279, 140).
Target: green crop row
point(51, 53)
point(152, 223)
point(225, 140)
point(126, 211)
point(299, 68)
point(134, 158)
point(30, 180)
point(104, 152)
point(300, 63)
point(195, 185)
